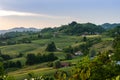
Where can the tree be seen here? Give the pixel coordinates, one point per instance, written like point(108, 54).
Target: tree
point(31, 59)
point(84, 38)
point(51, 57)
point(6, 57)
point(73, 23)
point(18, 64)
point(51, 47)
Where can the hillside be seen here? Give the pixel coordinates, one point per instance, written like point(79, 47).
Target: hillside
point(75, 28)
point(25, 54)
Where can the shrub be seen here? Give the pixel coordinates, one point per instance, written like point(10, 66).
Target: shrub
point(56, 64)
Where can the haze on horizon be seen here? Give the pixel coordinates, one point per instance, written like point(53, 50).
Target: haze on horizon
point(53, 13)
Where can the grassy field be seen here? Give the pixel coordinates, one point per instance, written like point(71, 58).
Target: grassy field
point(38, 46)
point(103, 46)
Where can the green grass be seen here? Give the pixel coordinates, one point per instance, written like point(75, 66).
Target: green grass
point(22, 59)
point(92, 36)
point(38, 46)
point(60, 55)
point(103, 46)
point(22, 74)
point(107, 39)
point(18, 48)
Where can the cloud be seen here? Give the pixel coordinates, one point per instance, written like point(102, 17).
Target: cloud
point(17, 13)
point(14, 13)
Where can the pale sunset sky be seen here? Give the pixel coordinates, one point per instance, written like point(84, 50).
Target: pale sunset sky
point(53, 13)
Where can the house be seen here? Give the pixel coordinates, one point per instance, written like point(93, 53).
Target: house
point(78, 53)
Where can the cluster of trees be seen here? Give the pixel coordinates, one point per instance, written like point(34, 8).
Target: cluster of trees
point(10, 38)
point(13, 41)
point(10, 35)
point(12, 64)
point(3, 74)
point(4, 56)
point(51, 47)
point(113, 32)
point(45, 36)
point(35, 59)
point(84, 48)
point(75, 28)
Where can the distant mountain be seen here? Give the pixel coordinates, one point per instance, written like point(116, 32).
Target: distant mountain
point(110, 26)
point(19, 29)
point(3, 31)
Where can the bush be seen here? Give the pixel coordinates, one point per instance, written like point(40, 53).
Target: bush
point(50, 64)
point(56, 64)
point(18, 64)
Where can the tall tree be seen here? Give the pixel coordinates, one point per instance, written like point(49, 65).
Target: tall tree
point(51, 47)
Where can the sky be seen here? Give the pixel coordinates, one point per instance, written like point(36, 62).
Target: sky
point(53, 13)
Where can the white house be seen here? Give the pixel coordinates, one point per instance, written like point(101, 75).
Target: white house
point(78, 53)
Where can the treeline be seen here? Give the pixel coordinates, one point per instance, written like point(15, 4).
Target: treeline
point(31, 59)
point(11, 38)
point(10, 35)
point(113, 32)
point(12, 64)
point(75, 28)
point(35, 59)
